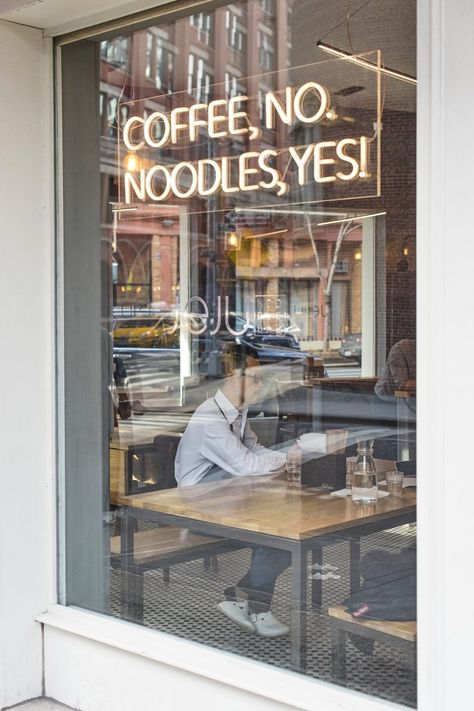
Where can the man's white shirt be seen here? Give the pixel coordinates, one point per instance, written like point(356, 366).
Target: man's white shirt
point(219, 436)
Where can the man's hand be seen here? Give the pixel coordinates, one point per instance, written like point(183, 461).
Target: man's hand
point(279, 474)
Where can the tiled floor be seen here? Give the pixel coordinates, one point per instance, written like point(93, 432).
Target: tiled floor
point(187, 607)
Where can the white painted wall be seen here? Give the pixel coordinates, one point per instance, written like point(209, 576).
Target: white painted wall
point(97, 677)
point(445, 252)
point(26, 360)
point(97, 663)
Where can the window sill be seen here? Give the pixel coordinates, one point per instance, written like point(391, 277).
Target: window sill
point(254, 677)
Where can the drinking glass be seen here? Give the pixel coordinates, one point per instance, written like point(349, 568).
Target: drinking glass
point(394, 481)
point(294, 464)
point(350, 464)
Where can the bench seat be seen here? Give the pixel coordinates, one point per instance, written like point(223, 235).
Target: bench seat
point(400, 634)
point(402, 630)
point(168, 543)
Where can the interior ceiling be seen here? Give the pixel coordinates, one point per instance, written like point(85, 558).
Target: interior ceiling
point(389, 25)
point(386, 24)
point(59, 16)
point(10, 5)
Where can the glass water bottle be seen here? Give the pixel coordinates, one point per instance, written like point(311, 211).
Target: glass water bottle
point(364, 477)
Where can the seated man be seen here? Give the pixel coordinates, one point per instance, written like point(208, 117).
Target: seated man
point(218, 444)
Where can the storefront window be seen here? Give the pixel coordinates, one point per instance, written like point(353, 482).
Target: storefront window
point(239, 319)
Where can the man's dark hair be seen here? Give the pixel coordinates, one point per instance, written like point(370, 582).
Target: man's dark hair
point(240, 355)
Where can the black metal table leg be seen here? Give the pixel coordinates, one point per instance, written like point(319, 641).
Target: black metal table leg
point(354, 563)
point(131, 592)
point(338, 652)
point(316, 584)
point(298, 607)
point(315, 407)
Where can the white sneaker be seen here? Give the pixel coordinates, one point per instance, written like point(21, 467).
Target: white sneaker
point(325, 566)
point(267, 625)
point(238, 612)
point(324, 576)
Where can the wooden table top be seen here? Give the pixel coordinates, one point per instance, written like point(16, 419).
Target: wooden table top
point(361, 380)
point(270, 506)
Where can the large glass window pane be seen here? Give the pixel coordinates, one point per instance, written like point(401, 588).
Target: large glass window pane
point(240, 241)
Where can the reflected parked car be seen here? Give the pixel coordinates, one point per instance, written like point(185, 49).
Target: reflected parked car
point(351, 346)
point(146, 332)
point(278, 340)
point(278, 323)
point(249, 333)
point(277, 357)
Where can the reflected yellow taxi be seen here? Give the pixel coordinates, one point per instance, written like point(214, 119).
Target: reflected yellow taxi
point(146, 332)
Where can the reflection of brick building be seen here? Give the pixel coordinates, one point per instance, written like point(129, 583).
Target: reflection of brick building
point(396, 234)
point(285, 271)
point(230, 51)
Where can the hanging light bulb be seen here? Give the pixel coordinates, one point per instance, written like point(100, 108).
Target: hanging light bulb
point(232, 241)
point(131, 162)
point(405, 246)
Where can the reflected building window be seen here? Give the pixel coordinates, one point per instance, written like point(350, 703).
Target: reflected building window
point(266, 52)
point(268, 6)
point(261, 106)
point(235, 32)
point(203, 22)
point(233, 86)
point(150, 41)
point(112, 114)
point(199, 79)
point(116, 52)
point(342, 266)
point(159, 62)
point(112, 104)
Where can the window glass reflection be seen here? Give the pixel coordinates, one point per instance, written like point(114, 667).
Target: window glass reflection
point(263, 337)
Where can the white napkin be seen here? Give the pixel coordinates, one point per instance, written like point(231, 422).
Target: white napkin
point(348, 492)
point(313, 442)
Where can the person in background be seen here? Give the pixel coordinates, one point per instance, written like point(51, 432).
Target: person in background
point(219, 444)
point(400, 369)
point(399, 374)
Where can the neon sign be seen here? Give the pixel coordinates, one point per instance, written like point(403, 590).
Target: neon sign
point(327, 161)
